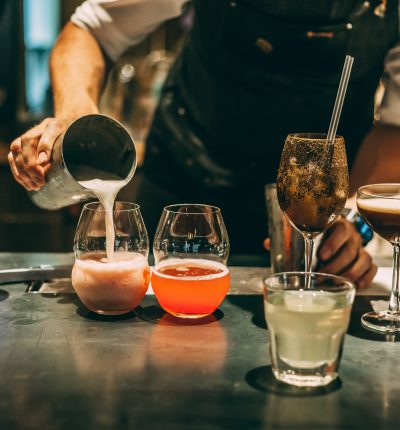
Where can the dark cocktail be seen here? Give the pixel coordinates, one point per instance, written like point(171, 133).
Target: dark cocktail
point(312, 184)
point(383, 215)
point(379, 205)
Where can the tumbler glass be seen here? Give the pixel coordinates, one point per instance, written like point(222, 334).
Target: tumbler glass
point(307, 317)
point(190, 278)
point(111, 284)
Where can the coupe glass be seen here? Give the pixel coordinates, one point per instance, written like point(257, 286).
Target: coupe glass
point(312, 184)
point(116, 284)
point(379, 205)
point(190, 278)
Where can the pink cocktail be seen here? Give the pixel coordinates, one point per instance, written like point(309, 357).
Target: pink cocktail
point(111, 288)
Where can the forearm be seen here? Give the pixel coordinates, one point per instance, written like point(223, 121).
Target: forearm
point(77, 68)
point(378, 158)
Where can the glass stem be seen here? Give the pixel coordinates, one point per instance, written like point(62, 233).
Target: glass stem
point(309, 247)
point(394, 303)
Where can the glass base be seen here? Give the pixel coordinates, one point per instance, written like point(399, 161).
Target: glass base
point(301, 380)
point(111, 313)
point(188, 316)
point(382, 322)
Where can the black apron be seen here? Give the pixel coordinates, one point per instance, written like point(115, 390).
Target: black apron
point(251, 72)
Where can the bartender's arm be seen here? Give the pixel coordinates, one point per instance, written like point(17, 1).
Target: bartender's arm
point(77, 68)
point(377, 161)
point(379, 156)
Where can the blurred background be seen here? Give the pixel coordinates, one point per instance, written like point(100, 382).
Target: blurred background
point(28, 30)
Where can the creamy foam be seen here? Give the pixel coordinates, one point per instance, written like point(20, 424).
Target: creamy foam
point(123, 261)
point(385, 205)
point(106, 191)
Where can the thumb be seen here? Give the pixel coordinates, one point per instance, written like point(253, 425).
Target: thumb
point(46, 143)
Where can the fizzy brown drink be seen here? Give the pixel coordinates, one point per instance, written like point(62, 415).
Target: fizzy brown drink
point(312, 183)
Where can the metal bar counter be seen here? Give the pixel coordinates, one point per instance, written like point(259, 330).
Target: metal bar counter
point(65, 368)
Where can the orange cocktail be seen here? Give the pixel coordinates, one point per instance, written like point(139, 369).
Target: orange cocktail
point(190, 288)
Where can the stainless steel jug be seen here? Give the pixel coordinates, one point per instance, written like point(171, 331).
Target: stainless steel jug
point(286, 243)
point(93, 147)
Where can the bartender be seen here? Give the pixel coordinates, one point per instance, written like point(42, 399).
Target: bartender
point(249, 73)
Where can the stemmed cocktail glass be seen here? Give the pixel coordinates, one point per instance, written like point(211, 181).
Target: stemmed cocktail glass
point(312, 184)
point(379, 205)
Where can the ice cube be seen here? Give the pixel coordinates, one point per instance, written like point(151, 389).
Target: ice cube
point(308, 301)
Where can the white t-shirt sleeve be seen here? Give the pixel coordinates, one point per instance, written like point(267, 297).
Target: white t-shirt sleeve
point(119, 24)
point(389, 110)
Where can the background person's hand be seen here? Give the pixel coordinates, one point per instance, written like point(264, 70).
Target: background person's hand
point(30, 154)
point(341, 253)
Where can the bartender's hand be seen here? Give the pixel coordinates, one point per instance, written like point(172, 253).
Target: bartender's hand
point(29, 155)
point(341, 253)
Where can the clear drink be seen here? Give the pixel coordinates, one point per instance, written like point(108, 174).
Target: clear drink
point(111, 287)
point(190, 288)
point(307, 328)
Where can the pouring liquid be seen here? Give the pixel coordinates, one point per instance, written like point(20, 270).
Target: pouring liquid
point(106, 191)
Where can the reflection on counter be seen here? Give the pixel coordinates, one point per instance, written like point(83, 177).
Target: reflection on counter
point(187, 347)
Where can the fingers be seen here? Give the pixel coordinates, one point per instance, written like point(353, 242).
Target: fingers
point(336, 237)
point(13, 168)
point(346, 255)
point(367, 278)
point(16, 145)
point(342, 253)
point(45, 145)
point(30, 141)
point(362, 270)
point(21, 177)
point(30, 177)
point(23, 157)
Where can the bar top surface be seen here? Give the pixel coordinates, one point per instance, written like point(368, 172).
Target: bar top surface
point(63, 367)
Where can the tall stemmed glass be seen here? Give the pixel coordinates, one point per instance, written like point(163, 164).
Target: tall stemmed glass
point(379, 205)
point(312, 184)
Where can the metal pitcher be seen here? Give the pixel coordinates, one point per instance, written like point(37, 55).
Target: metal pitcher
point(286, 243)
point(93, 147)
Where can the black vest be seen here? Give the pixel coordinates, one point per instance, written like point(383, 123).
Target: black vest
point(252, 71)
